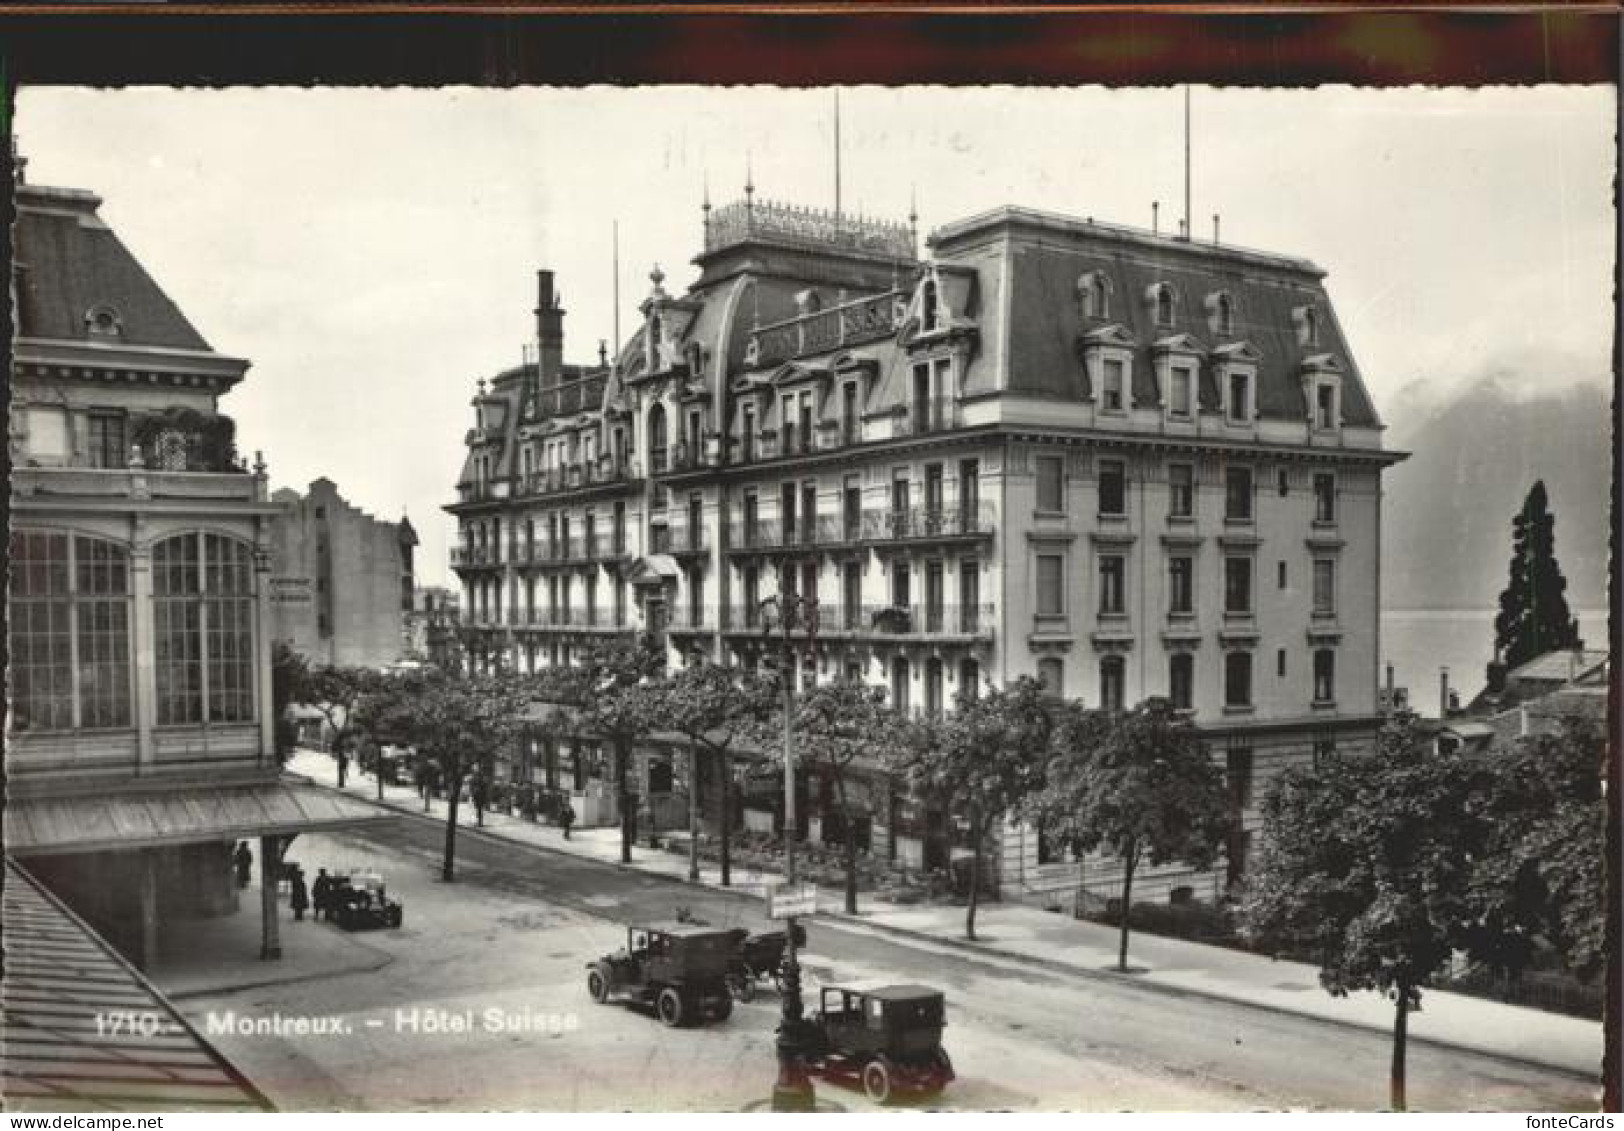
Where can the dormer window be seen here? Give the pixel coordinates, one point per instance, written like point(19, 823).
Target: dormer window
point(1113, 379)
point(1238, 397)
point(1325, 415)
point(1094, 294)
point(1307, 319)
point(103, 322)
point(1164, 304)
point(930, 316)
point(1181, 391)
point(1107, 354)
point(1236, 369)
point(1322, 392)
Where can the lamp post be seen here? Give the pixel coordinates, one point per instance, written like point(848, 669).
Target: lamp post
point(782, 616)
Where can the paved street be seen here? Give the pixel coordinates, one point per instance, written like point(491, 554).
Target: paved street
point(514, 933)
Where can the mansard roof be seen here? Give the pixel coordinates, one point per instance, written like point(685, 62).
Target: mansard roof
point(69, 264)
point(1046, 320)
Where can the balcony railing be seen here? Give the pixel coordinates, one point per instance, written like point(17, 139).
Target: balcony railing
point(925, 523)
point(473, 556)
point(687, 618)
point(924, 417)
point(762, 534)
point(930, 620)
point(689, 457)
point(575, 618)
point(584, 394)
point(585, 473)
point(679, 539)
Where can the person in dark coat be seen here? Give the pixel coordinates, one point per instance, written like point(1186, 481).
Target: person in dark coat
point(566, 817)
point(321, 893)
point(244, 860)
point(299, 897)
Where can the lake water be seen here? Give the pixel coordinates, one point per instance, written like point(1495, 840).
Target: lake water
point(1418, 642)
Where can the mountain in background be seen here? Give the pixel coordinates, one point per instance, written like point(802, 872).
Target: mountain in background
point(1446, 529)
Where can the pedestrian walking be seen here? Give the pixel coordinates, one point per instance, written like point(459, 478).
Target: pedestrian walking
point(244, 861)
point(566, 816)
point(299, 897)
point(322, 895)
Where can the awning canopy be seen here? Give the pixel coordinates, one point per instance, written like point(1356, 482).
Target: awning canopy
point(62, 985)
point(655, 569)
point(39, 826)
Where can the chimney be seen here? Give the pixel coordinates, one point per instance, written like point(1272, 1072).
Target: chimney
point(1443, 693)
point(549, 333)
point(1391, 706)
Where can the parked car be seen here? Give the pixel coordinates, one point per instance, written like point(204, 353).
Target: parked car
point(360, 903)
point(679, 969)
point(758, 956)
point(889, 1039)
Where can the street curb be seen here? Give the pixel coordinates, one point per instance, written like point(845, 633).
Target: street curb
point(857, 924)
point(1107, 975)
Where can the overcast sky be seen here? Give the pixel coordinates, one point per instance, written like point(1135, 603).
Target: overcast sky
point(374, 252)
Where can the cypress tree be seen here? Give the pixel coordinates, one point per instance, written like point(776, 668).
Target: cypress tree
point(1534, 617)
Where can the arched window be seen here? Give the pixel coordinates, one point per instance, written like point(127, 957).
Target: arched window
point(656, 438)
point(929, 315)
point(1224, 314)
point(69, 599)
point(1164, 305)
point(203, 614)
point(1094, 291)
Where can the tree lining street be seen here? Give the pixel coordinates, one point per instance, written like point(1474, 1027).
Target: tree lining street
point(515, 932)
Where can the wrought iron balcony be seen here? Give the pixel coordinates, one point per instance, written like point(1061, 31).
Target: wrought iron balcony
point(789, 225)
point(679, 540)
point(833, 618)
point(603, 471)
point(916, 524)
point(689, 457)
point(466, 556)
point(684, 617)
point(929, 416)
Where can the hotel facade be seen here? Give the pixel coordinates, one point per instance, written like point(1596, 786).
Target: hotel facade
point(1126, 464)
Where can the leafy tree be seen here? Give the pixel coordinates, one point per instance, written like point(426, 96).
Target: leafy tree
point(458, 727)
point(714, 707)
point(1140, 783)
point(609, 694)
point(1541, 879)
point(336, 692)
point(837, 727)
point(1364, 869)
point(1534, 617)
point(289, 671)
point(985, 761)
point(380, 715)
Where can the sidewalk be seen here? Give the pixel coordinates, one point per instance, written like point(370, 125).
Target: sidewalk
point(202, 957)
point(1015, 931)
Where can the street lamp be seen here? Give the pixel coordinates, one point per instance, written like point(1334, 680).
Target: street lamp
point(782, 617)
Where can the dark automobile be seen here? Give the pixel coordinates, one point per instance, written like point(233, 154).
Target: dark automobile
point(680, 969)
point(360, 903)
point(758, 956)
point(888, 1038)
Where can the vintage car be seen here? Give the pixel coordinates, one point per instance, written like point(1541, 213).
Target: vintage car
point(360, 903)
point(680, 969)
point(888, 1038)
point(759, 956)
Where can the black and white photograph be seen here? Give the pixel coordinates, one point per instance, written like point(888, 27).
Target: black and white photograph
point(748, 598)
